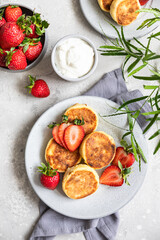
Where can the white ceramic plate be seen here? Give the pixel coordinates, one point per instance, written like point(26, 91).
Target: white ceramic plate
point(97, 18)
point(106, 200)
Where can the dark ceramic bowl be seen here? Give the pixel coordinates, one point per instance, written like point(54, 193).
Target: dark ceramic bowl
point(28, 11)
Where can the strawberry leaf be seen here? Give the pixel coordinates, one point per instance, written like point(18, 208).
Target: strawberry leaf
point(36, 40)
point(40, 25)
point(124, 143)
point(125, 173)
point(47, 170)
point(1, 51)
point(39, 31)
point(29, 42)
point(45, 24)
point(24, 23)
point(120, 165)
point(25, 48)
point(9, 56)
point(32, 81)
point(52, 125)
point(14, 6)
point(64, 118)
point(79, 121)
point(1, 13)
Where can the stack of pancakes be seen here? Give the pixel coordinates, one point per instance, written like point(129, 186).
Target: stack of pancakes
point(97, 150)
point(122, 11)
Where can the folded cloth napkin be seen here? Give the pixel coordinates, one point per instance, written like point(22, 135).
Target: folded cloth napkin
point(51, 223)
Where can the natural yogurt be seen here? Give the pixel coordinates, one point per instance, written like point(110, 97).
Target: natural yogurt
point(74, 58)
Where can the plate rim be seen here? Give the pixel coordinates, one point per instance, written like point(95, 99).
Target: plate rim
point(111, 35)
point(49, 205)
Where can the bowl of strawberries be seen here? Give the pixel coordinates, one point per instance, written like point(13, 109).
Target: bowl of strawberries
point(22, 38)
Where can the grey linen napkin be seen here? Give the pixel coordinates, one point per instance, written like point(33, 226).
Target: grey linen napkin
point(51, 223)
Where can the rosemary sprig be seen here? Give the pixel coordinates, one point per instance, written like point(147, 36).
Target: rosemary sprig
point(151, 21)
point(134, 146)
point(140, 55)
point(154, 100)
point(136, 54)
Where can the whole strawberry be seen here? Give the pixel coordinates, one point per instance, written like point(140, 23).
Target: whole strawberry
point(31, 48)
point(33, 26)
point(10, 35)
point(15, 59)
point(33, 34)
point(50, 177)
point(38, 88)
point(2, 58)
point(2, 20)
point(12, 13)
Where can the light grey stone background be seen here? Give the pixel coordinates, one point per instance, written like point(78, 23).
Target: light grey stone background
point(140, 219)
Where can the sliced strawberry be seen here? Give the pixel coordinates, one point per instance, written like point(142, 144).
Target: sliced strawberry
point(143, 2)
point(73, 136)
point(112, 176)
point(55, 135)
point(126, 159)
point(61, 130)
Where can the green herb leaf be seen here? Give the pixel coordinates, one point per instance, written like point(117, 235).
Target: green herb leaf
point(114, 54)
point(155, 134)
point(151, 78)
point(157, 148)
point(111, 47)
point(134, 148)
point(124, 40)
point(140, 150)
point(132, 101)
point(150, 87)
point(124, 135)
point(151, 123)
point(141, 44)
point(130, 68)
point(151, 113)
point(137, 69)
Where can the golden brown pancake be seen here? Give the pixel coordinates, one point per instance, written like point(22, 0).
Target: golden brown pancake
point(60, 158)
point(124, 11)
point(87, 113)
point(80, 181)
point(98, 149)
point(105, 4)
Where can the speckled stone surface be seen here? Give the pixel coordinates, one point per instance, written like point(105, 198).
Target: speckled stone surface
point(18, 112)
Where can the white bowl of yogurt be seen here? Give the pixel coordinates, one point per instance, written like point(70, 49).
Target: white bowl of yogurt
point(74, 58)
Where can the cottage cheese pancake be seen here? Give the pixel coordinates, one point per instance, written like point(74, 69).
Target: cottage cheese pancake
point(80, 181)
point(60, 158)
point(124, 11)
point(98, 149)
point(87, 113)
point(105, 4)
